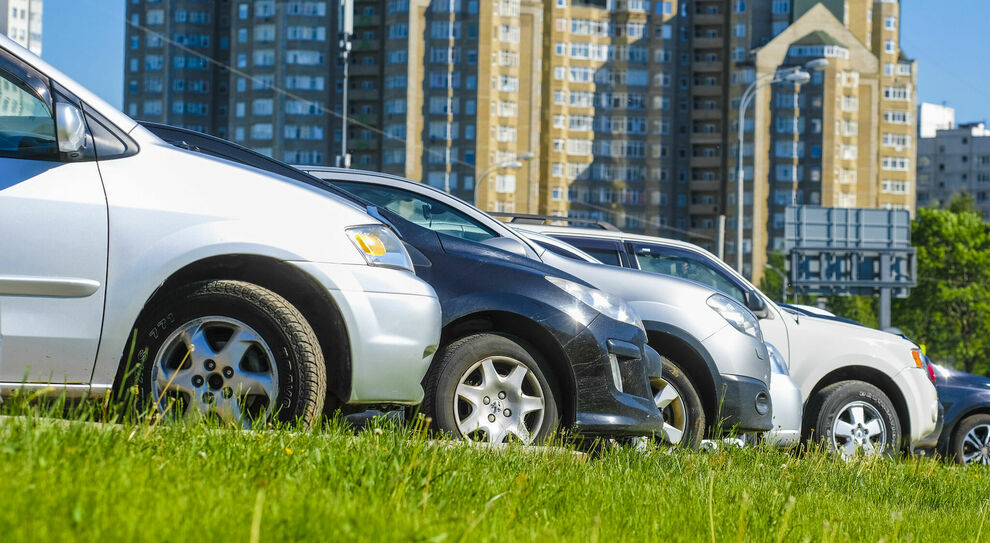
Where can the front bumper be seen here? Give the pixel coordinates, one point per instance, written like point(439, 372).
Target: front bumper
point(744, 405)
point(922, 405)
point(931, 440)
point(601, 408)
point(393, 327)
point(787, 412)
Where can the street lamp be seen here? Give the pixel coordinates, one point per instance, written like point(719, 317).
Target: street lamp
point(783, 282)
point(513, 164)
point(796, 75)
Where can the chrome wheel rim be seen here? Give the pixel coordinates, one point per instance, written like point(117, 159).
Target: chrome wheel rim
point(859, 428)
point(215, 366)
point(976, 445)
point(499, 399)
point(671, 405)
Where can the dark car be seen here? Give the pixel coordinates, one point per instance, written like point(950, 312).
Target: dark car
point(524, 346)
point(966, 428)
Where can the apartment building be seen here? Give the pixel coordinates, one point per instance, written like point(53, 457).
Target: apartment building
point(621, 110)
point(955, 161)
point(20, 20)
point(176, 53)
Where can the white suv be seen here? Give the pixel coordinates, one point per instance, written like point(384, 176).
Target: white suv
point(212, 287)
point(864, 390)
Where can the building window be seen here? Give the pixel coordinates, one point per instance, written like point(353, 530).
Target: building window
point(889, 46)
point(890, 22)
point(781, 6)
point(895, 163)
point(895, 187)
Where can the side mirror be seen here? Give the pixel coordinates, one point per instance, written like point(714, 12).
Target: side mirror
point(507, 244)
point(71, 130)
point(756, 304)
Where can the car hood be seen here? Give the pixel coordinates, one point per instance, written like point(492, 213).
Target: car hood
point(947, 377)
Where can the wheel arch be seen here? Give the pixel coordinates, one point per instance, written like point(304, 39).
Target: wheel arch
point(532, 333)
point(692, 357)
point(876, 378)
point(289, 282)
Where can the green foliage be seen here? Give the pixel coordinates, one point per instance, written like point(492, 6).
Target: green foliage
point(949, 310)
point(771, 282)
point(862, 309)
point(77, 481)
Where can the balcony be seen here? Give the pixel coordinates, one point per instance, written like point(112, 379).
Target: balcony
point(357, 95)
point(706, 137)
point(701, 161)
point(367, 20)
point(707, 66)
point(706, 114)
point(704, 209)
point(705, 185)
point(708, 16)
point(364, 69)
point(706, 42)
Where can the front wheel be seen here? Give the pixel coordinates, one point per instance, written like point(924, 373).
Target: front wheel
point(231, 350)
point(680, 405)
point(971, 440)
point(854, 418)
point(489, 387)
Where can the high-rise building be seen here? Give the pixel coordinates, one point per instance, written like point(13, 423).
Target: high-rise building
point(175, 63)
point(20, 20)
point(621, 110)
point(956, 161)
point(933, 117)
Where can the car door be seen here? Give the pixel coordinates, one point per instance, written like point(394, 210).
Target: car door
point(53, 247)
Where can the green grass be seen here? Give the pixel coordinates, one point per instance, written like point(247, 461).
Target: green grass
point(143, 482)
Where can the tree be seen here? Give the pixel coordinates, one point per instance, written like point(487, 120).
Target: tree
point(771, 283)
point(949, 310)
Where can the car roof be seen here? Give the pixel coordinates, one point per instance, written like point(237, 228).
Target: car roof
point(611, 235)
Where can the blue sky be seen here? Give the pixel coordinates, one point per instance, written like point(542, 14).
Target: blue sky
point(85, 38)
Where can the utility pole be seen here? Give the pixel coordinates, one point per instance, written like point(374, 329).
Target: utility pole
point(346, 23)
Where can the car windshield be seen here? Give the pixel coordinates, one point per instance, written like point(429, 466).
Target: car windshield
point(679, 266)
point(420, 210)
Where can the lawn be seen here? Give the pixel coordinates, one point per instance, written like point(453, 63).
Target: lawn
point(189, 482)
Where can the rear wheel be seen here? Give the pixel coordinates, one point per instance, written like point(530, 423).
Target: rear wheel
point(230, 350)
point(678, 401)
point(971, 440)
point(489, 387)
point(854, 418)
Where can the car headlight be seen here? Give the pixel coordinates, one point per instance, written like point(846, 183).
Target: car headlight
point(777, 364)
point(380, 246)
point(611, 306)
point(738, 316)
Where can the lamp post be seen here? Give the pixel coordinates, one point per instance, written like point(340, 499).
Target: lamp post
point(513, 164)
point(795, 75)
point(783, 281)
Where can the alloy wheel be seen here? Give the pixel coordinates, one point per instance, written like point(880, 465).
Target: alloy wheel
point(499, 399)
point(671, 405)
point(976, 445)
point(216, 366)
point(859, 428)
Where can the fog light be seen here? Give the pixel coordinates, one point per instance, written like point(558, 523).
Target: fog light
point(613, 361)
point(762, 403)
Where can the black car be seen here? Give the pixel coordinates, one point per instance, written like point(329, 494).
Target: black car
point(524, 346)
point(966, 428)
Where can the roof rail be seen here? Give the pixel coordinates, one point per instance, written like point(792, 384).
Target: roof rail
point(523, 218)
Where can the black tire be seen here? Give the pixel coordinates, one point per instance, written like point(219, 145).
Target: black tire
point(835, 401)
point(299, 365)
point(454, 360)
point(685, 413)
point(960, 449)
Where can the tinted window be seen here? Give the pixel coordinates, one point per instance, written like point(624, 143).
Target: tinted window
point(657, 260)
point(27, 126)
point(607, 252)
point(418, 209)
point(559, 250)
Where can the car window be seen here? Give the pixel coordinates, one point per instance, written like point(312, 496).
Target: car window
point(27, 126)
point(421, 210)
point(658, 260)
point(554, 248)
point(606, 251)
